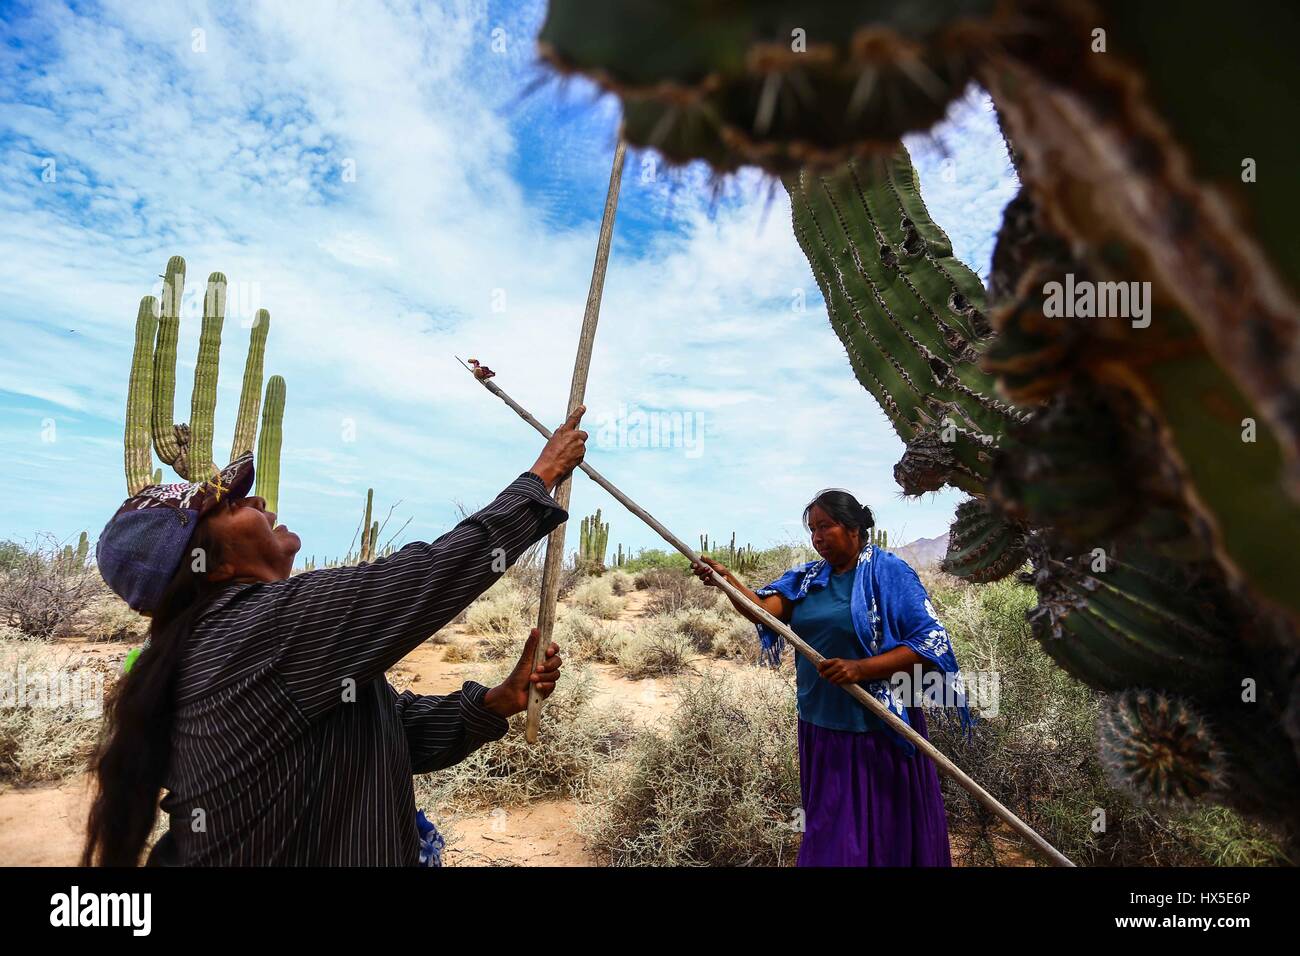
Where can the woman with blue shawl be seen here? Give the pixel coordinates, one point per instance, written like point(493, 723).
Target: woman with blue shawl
point(869, 798)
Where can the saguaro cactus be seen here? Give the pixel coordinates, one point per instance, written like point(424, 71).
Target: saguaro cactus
point(187, 447)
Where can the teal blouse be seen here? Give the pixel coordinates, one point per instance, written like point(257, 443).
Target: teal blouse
point(823, 619)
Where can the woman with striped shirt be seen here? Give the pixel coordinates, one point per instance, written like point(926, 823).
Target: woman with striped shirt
point(260, 703)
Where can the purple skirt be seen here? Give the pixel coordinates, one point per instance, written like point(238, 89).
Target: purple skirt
point(868, 804)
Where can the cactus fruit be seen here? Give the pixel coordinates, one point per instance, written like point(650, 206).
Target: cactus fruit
point(1158, 747)
point(151, 392)
point(268, 443)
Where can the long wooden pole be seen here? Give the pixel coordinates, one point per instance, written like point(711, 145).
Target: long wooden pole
point(856, 692)
point(577, 389)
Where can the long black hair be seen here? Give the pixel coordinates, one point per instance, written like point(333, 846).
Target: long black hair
point(130, 761)
point(844, 509)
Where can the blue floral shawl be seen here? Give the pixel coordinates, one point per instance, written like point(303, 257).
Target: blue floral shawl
point(890, 609)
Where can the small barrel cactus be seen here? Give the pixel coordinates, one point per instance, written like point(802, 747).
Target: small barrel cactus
point(1159, 748)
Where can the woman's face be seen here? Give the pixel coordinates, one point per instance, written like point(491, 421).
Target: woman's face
point(834, 542)
point(252, 544)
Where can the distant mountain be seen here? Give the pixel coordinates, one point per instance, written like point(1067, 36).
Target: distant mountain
point(924, 552)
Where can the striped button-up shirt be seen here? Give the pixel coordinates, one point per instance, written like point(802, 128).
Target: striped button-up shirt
point(289, 744)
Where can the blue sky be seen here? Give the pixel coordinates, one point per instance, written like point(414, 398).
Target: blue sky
point(469, 229)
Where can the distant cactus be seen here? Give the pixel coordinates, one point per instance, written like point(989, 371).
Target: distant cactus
point(879, 537)
point(593, 539)
point(368, 531)
point(83, 549)
point(187, 447)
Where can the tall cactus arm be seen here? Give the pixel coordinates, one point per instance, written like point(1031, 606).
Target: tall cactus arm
point(268, 445)
point(250, 394)
point(203, 399)
point(170, 441)
point(139, 400)
point(909, 314)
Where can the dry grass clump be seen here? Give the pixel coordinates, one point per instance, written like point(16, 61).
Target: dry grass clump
point(658, 649)
point(621, 583)
point(577, 739)
point(596, 597)
point(652, 579)
point(53, 732)
point(671, 590)
point(107, 618)
point(586, 638)
point(459, 653)
point(719, 788)
point(502, 616)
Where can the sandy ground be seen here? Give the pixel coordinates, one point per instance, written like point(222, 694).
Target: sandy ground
point(41, 824)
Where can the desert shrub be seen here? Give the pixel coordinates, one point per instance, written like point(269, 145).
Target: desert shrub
point(1038, 754)
point(503, 609)
point(620, 582)
point(701, 627)
point(737, 639)
point(458, 653)
point(673, 590)
point(658, 649)
point(51, 704)
point(586, 638)
point(596, 597)
point(774, 562)
point(107, 618)
point(41, 592)
point(719, 787)
point(577, 739)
